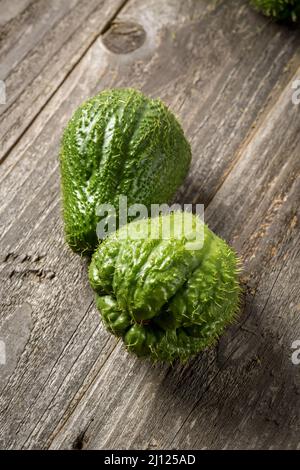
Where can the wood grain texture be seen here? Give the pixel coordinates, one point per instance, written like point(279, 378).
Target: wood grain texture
point(38, 48)
point(10, 10)
point(227, 73)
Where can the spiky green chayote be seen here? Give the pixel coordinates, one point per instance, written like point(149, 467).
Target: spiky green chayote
point(279, 9)
point(168, 294)
point(118, 143)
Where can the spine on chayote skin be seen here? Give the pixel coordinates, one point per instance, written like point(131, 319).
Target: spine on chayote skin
point(118, 143)
point(166, 297)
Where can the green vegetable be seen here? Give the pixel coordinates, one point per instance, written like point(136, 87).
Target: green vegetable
point(279, 9)
point(167, 297)
point(118, 143)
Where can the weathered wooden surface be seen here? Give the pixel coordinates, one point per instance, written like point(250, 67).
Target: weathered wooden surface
point(227, 73)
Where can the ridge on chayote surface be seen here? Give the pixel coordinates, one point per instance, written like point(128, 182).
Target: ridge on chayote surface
point(118, 143)
point(279, 9)
point(167, 297)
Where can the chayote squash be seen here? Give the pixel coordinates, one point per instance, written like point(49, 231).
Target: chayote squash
point(167, 297)
point(118, 143)
point(279, 9)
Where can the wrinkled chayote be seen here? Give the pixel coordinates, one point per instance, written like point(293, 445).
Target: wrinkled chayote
point(118, 143)
point(168, 296)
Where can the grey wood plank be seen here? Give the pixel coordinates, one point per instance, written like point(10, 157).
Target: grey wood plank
point(38, 49)
point(26, 29)
point(10, 10)
point(69, 384)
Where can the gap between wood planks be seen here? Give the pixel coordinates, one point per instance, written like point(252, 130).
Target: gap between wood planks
point(90, 44)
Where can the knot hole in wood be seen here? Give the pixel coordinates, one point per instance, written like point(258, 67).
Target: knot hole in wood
point(124, 37)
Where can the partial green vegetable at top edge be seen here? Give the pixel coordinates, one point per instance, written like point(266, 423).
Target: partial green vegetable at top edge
point(283, 10)
point(167, 297)
point(118, 143)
